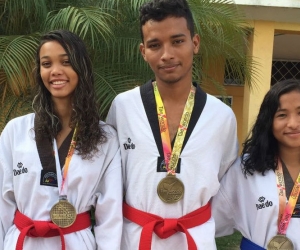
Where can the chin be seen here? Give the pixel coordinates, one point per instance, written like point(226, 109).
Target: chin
point(171, 81)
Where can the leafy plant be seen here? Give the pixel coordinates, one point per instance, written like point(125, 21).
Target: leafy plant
point(110, 28)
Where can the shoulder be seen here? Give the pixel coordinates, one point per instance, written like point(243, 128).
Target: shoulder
point(108, 129)
point(236, 169)
point(21, 122)
point(127, 95)
point(212, 100)
point(236, 172)
point(110, 134)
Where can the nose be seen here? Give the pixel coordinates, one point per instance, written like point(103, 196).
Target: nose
point(294, 121)
point(56, 69)
point(167, 53)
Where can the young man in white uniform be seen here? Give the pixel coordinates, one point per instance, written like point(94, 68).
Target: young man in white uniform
point(153, 214)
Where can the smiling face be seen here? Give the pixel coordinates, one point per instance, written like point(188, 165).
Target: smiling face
point(56, 71)
point(286, 122)
point(169, 49)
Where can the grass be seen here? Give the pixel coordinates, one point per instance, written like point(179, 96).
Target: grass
point(231, 242)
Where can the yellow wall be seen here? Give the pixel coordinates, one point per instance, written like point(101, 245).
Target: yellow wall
point(246, 102)
point(237, 93)
point(261, 49)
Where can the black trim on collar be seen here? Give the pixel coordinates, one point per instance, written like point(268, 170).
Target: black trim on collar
point(45, 150)
point(149, 103)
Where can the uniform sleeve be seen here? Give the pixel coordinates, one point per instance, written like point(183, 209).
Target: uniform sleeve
point(108, 210)
point(111, 117)
point(7, 200)
point(230, 143)
point(224, 202)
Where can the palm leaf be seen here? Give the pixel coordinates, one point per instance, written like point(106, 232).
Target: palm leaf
point(91, 23)
point(22, 17)
point(16, 62)
point(109, 84)
point(13, 107)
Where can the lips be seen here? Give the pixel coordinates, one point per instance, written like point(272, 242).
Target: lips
point(168, 66)
point(58, 82)
point(294, 133)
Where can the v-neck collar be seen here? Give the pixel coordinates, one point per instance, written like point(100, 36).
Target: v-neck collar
point(46, 154)
point(149, 103)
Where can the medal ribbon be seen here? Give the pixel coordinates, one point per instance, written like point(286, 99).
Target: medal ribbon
point(285, 208)
point(172, 156)
point(61, 179)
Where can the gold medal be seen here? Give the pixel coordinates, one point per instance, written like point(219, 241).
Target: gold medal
point(63, 214)
point(280, 242)
point(170, 189)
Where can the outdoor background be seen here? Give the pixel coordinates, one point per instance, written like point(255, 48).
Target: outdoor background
point(110, 29)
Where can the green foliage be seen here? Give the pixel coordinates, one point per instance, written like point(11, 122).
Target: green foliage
point(110, 28)
point(231, 242)
point(14, 106)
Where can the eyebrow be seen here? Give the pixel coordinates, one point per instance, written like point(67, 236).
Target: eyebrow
point(172, 37)
point(46, 57)
point(281, 109)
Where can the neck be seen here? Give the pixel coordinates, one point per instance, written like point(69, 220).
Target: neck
point(177, 92)
point(290, 157)
point(63, 110)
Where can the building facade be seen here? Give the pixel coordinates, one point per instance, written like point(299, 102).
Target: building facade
point(275, 47)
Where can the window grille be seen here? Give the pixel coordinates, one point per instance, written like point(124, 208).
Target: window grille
point(282, 70)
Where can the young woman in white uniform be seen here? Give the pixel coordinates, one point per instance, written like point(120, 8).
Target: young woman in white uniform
point(61, 161)
point(259, 194)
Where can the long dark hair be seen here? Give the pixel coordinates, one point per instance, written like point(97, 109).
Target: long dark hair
point(159, 10)
point(85, 109)
point(261, 147)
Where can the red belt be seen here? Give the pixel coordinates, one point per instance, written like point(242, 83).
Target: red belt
point(165, 228)
point(33, 228)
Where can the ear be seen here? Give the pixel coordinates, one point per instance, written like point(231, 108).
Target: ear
point(142, 50)
point(196, 42)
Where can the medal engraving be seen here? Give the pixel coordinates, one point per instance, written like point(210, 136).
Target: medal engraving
point(280, 242)
point(63, 214)
point(170, 189)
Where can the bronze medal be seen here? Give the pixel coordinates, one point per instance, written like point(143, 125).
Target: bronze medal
point(63, 214)
point(170, 189)
point(280, 242)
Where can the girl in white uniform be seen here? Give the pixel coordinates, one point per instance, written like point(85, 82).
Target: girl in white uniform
point(61, 161)
point(259, 193)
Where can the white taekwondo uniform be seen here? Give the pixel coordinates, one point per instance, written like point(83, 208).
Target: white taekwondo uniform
point(96, 182)
point(207, 154)
point(251, 206)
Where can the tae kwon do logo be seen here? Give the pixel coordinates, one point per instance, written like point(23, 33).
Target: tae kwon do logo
point(129, 144)
point(263, 203)
point(20, 170)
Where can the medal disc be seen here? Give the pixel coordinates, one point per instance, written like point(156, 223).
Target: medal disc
point(280, 242)
point(170, 189)
point(63, 214)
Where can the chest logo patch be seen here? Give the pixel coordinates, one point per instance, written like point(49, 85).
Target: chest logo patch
point(20, 169)
point(263, 203)
point(129, 144)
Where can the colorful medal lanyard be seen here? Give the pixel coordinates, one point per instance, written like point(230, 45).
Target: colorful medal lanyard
point(171, 157)
point(61, 179)
point(285, 208)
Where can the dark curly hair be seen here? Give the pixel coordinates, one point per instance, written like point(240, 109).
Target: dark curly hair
point(85, 109)
point(159, 10)
point(261, 147)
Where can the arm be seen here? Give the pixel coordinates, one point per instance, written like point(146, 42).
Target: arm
point(7, 200)
point(225, 205)
point(230, 143)
point(108, 210)
point(222, 214)
point(111, 116)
